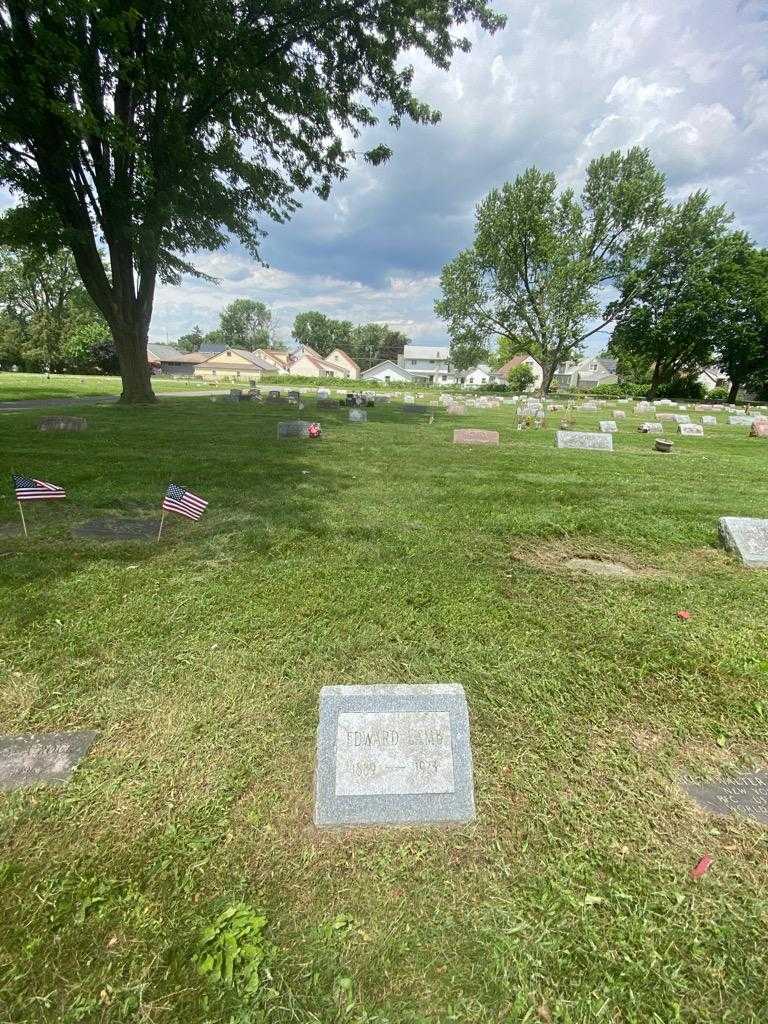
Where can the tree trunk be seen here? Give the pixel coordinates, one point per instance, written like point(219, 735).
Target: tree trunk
point(655, 379)
point(735, 386)
point(131, 344)
point(546, 380)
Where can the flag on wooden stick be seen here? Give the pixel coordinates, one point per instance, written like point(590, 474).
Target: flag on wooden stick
point(28, 489)
point(184, 502)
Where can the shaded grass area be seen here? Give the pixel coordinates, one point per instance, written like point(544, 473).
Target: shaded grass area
point(15, 386)
point(383, 553)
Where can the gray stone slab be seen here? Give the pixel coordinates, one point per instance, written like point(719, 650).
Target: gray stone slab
point(650, 427)
point(413, 407)
point(608, 426)
point(748, 538)
point(619, 414)
point(690, 429)
point(393, 755)
point(741, 421)
point(34, 758)
point(293, 428)
point(358, 416)
point(585, 440)
point(745, 795)
point(116, 528)
point(682, 418)
point(709, 421)
point(68, 423)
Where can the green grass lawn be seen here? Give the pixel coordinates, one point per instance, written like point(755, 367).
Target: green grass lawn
point(14, 386)
point(383, 553)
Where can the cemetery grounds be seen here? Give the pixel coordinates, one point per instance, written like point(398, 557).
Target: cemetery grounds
point(382, 553)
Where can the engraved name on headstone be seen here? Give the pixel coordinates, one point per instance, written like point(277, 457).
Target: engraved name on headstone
point(746, 795)
point(393, 754)
point(748, 538)
point(29, 759)
point(584, 439)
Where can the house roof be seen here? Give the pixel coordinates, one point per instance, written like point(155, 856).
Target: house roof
point(170, 354)
point(395, 366)
point(346, 355)
point(243, 353)
point(212, 349)
point(314, 358)
point(515, 361)
point(441, 352)
point(278, 354)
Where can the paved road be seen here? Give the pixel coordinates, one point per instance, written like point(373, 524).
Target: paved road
point(44, 403)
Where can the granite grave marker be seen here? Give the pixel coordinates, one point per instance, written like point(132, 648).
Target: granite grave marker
point(393, 755)
point(748, 538)
point(68, 423)
point(29, 759)
point(584, 439)
point(746, 795)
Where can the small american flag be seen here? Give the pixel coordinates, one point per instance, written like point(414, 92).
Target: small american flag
point(28, 489)
point(184, 502)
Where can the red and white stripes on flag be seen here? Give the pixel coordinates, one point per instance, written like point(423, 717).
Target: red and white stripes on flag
point(184, 502)
point(29, 489)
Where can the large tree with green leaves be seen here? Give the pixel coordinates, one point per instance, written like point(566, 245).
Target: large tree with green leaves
point(157, 129)
point(247, 323)
point(48, 318)
point(740, 282)
point(541, 256)
point(321, 332)
point(671, 309)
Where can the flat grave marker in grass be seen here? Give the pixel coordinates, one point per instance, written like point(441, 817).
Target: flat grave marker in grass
point(116, 528)
point(358, 416)
point(748, 538)
point(608, 426)
point(709, 421)
point(475, 437)
point(682, 418)
point(71, 424)
point(393, 755)
point(293, 428)
point(30, 759)
point(585, 440)
point(741, 421)
point(413, 407)
point(746, 795)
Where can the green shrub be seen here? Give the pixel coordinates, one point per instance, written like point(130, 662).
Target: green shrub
point(717, 395)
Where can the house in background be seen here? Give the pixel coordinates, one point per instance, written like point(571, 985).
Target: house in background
point(523, 359)
point(430, 364)
point(388, 371)
point(237, 363)
point(170, 360)
point(346, 363)
point(306, 362)
point(711, 377)
point(277, 358)
point(481, 374)
point(586, 374)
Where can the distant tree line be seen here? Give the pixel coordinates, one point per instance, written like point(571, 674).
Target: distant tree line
point(687, 290)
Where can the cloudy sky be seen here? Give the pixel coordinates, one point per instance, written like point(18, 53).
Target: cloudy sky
point(564, 81)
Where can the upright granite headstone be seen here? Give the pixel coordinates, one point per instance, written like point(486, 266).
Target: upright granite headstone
point(589, 407)
point(619, 414)
point(682, 418)
point(273, 396)
point(357, 416)
point(665, 417)
point(748, 538)
point(30, 759)
point(393, 755)
point(709, 421)
point(475, 437)
point(454, 409)
point(68, 423)
point(235, 394)
point(413, 408)
point(608, 426)
point(741, 421)
point(690, 429)
point(585, 440)
point(293, 428)
point(746, 795)
point(759, 429)
point(651, 428)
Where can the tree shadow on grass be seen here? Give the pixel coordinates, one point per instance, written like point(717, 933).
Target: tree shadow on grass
point(258, 488)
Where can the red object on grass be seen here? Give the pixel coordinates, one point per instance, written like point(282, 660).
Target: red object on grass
point(703, 864)
point(313, 430)
point(684, 615)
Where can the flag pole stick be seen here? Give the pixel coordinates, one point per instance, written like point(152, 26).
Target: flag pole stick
point(23, 520)
point(162, 520)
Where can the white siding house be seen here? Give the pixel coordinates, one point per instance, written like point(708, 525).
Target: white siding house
point(430, 363)
point(387, 371)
